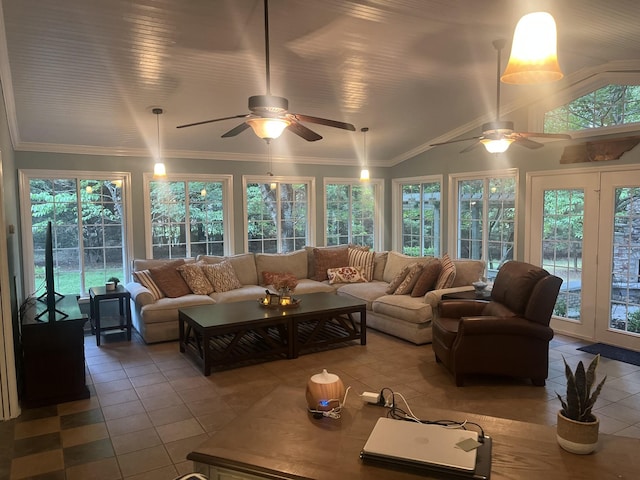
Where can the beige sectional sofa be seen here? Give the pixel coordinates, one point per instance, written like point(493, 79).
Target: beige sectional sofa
point(404, 316)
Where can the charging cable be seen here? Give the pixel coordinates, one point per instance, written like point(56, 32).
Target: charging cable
point(335, 411)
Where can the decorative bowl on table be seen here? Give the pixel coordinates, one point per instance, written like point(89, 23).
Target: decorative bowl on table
point(276, 301)
point(479, 286)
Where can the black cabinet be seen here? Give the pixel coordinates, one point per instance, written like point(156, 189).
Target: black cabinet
point(53, 366)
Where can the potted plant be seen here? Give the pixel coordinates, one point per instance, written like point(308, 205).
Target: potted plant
point(112, 283)
point(577, 429)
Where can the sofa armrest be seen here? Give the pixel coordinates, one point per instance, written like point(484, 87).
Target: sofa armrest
point(433, 297)
point(515, 326)
point(461, 308)
point(140, 294)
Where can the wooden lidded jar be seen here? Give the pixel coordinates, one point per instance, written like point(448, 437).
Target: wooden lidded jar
point(324, 391)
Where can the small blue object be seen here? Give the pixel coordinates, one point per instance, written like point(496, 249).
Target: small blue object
point(324, 403)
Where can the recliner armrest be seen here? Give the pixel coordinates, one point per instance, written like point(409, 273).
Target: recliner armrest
point(517, 326)
point(461, 308)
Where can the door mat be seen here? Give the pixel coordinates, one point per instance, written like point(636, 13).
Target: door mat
point(614, 353)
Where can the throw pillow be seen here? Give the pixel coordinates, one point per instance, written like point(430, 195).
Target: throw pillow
point(447, 274)
point(346, 275)
point(359, 257)
point(406, 286)
point(324, 259)
point(280, 280)
point(399, 277)
point(222, 276)
point(196, 279)
point(168, 278)
point(428, 278)
point(143, 277)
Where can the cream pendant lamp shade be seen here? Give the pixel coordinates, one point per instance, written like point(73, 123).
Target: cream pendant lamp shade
point(534, 57)
point(159, 169)
point(364, 173)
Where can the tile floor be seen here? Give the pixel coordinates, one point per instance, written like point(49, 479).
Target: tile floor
point(150, 405)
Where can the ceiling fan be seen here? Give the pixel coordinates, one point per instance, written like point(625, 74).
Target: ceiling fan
point(269, 115)
point(497, 136)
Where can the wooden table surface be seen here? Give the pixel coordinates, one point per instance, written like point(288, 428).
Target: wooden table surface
point(278, 436)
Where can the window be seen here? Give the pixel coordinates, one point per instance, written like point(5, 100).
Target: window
point(188, 217)
point(486, 216)
point(351, 212)
point(87, 212)
point(609, 106)
point(420, 220)
point(277, 214)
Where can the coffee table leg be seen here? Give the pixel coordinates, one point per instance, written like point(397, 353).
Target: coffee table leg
point(206, 353)
point(181, 334)
point(363, 326)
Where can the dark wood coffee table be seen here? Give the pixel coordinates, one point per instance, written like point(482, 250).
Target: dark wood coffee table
point(227, 333)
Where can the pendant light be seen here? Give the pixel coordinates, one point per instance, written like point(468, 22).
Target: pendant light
point(159, 169)
point(364, 173)
point(534, 57)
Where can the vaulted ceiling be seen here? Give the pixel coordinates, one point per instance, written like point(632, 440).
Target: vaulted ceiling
point(82, 76)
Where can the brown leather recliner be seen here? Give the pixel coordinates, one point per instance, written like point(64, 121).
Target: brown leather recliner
point(508, 335)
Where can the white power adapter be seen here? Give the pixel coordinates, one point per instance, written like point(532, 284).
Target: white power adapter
point(371, 397)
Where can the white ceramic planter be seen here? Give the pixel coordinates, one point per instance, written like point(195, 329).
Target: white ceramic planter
point(577, 437)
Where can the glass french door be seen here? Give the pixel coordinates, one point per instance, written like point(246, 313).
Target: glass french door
point(585, 228)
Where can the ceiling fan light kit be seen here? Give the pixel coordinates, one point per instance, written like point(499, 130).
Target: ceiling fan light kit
point(534, 57)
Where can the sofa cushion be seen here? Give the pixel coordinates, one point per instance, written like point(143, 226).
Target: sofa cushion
point(222, 276)
point(428, 277)
point(346, 275)
point(196, 279)
point(165, 309)
point(311, 271)
point(365, 292)
point(406, 286)
point(359, 257)
point(324, 259)
point(143, 277)
point(379, 262)
point(399, 278)
point(447, 274)
point(292, 262)
point(244, 264)
point(467, 272)
point(403, 307)
point(169, 279)
point(397, 261)
point(280, 280)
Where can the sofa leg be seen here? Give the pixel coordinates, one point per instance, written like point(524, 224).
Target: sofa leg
point(538, 382)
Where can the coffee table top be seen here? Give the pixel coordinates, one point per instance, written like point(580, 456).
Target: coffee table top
point(279, 437)
point(237, 313)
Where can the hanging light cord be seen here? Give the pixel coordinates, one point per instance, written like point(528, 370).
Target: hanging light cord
point(157, 112)
point(364, 130)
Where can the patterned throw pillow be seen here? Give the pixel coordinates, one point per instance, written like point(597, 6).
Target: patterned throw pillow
point(324, 259)
point(143, 277)
point(428, 278)
point(406, 286)
point(359, 257)
point(222, 276)
point(196, 279)
point(397, 280)
point(447, 274)
point(279, 279)
point(168, 278)
point(346, 275)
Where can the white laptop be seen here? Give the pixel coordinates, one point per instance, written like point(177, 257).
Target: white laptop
point(415, 444)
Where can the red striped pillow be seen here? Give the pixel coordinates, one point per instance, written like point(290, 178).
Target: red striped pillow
point(359, 257)
point(143, 277)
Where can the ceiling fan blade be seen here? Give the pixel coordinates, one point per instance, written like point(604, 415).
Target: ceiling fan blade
point(456, 141)
point(211, 121)
point(304, 132)
point(525, 142)
point(471, 147)
point(323, 121)
point(561, 136)
point(236, 130)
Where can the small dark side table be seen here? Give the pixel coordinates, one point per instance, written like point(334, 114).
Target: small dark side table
point(97, 295)
point(468, 295)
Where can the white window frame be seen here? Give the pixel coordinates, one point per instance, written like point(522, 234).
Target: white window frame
point(577, 90)
point(311, 214)
point(378, 214)
point(227, 194)
point(24, 177)
point(454, 211)
point(396, 206)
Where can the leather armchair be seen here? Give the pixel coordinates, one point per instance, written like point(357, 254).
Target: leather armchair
point(507, 335)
